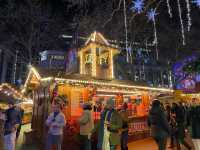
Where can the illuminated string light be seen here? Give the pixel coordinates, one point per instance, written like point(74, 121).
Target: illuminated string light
point(169, 9)
point(129, 49)
point(151, 17)
point(14, 92)
point(181, 22)
point(126, 31)
point(138, 6)
point(112, 84)
point(100, 83)
point(188, 15)
point(117, 91)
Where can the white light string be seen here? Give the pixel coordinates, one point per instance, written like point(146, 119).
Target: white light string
point(181, 22)
point(188, 15)
point(126, 31)
point(155, 38)
point(169, 9)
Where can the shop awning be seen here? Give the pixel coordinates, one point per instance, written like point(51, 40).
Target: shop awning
point(38, 76)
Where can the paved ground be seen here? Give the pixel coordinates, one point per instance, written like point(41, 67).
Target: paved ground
point(146, 144)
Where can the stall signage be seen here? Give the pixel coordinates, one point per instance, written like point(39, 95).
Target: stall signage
point(57, 57)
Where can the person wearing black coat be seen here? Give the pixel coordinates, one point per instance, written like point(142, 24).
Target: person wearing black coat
point(157, 121)
point(172, 124)
point(180, 117)
point(21, 111)
point(195, 121)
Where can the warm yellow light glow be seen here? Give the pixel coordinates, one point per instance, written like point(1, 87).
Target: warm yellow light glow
point(81, 62)
point(94, 61)
point(192, 95)
point(109, 95)
point(117, 91)
point(132, 87)
point(111, 64)
point(35, 72)
point(47, 79)
point(116, 85)
point(15, 93)
point(95, 35)
point(113, 95)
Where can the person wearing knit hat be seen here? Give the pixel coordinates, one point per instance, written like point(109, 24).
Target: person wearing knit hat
point(109, 127)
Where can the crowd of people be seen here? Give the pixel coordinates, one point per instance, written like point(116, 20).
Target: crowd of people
point(175, 121)
point(111, 130)
point(166, 121)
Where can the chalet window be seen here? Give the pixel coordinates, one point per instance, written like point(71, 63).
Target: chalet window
point(88, 59)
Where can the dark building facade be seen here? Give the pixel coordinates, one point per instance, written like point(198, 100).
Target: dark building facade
point(6, 67)
point(12, 68)
point(144, 68)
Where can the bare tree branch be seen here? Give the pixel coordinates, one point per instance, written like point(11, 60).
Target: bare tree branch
point(114, 11)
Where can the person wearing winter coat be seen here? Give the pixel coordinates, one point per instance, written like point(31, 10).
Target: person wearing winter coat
point(55, 122)
point(108, 128)
point(124, 133)
point(157, 121)
point(180, 117)
point(195, 121)
point(2, 121)
point(86, 122)
point(21, 111)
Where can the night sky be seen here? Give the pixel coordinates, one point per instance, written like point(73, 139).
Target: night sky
point(33, 26)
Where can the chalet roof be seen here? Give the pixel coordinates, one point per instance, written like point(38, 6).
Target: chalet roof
point(8, 92)
point(98, 38)
point(47, 75)
point(44, 73)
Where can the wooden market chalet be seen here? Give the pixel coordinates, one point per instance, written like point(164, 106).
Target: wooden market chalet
point(95, 80)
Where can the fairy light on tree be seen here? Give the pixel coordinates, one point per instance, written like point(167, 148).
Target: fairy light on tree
point(188, 15)
point(126, 31)
point(15, 67)
point(130, 53)
point(138, 6)
point(151, 17)
point(181, 22)
point(169, 9)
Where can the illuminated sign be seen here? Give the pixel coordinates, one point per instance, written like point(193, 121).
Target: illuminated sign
point(43, 55)
point(57, 57)
point(53, 59)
